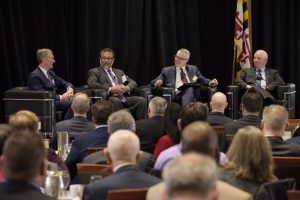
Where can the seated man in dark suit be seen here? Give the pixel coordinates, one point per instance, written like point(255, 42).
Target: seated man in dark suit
point(24, 166)
point(121, 120)
point(117, 84)
point(262, 79)
point(79, 124)
point(151, 129)
point(44, 78)
point(218, 104)
point(251, 106)
point(274, 123)
point(180, 73)
point(96, 138)
point(123, 153)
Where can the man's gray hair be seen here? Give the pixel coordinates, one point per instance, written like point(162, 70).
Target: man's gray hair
point(81, 103)
point(185, 52)
point(158, 105)
point(121, 119)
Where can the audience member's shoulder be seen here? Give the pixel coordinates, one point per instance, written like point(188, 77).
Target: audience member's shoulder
point(228, 191)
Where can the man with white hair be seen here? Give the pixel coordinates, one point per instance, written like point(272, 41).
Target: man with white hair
point(150, 130)
point(218, 104)
point(274, 124)
point(123, 152)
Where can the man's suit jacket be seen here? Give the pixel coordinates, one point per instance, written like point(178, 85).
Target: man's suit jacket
point(145, 163)
point(96, 138)
point(217, 119)
point(38, 81)
point(16, 190)
point(248, 77)
point(128, 176)
point(247, 120)
point(149, 131)
point(98, 78)
point(283, 148)
point(226, 192)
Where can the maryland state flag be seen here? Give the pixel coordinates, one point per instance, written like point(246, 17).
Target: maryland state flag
point(242, 46)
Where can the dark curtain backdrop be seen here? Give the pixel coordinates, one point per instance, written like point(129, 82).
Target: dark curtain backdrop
point(145, 35)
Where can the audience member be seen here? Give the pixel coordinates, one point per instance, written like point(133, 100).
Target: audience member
point(117, 84)
point(123, 153)
point(96, 138)
point(274, 123)
point(251, 107)
point(170, 128)
point(24, 167)
point(44, 78)
point(262, 79)
point(250, 161)
point(5, 132)
point(117, 121)
point(27, 120)
point(180, 73)
point(218, 104)
point(151, 129)
point(79, 124)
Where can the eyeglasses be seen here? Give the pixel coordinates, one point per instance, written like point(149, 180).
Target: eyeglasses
point(179, 58)
point(104, 58)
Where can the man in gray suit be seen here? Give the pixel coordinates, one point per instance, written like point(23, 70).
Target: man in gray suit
point(117, 84)
point(180, 73)
point(262, 79)
point(123, 152)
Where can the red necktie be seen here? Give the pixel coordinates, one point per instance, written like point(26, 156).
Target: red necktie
point(183, 76)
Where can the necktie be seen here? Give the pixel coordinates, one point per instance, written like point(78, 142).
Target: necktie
point(183, 76)
point(258, 77)
point(116, 82)
point(49, 77)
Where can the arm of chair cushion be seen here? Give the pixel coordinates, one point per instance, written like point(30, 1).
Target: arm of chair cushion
point(287, 88)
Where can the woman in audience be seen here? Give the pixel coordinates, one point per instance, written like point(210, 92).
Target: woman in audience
point(171, 130)
point(250, 161)
point(5, 132)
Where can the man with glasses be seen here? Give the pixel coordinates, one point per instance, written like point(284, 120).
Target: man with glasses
point(117, 84)
point(180, 73)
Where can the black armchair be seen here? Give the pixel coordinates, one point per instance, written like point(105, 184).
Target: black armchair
point(285, 92)
point(94, 94)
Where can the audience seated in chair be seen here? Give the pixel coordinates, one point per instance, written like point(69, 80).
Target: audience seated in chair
point(121, 120)
point(96, 138)
point(170, 129)
point(251, 107)
point(274, 123)
point(218, 105)
point(250, 161)
point(5, 132)
point(151, 129)
point(123, 153)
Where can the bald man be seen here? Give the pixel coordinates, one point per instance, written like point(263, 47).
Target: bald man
point(122, 152)
point(218, 104)
point(263, 79)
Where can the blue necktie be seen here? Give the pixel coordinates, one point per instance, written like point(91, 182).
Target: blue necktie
point(259, 77)
point(49, 77)
point(116, 82)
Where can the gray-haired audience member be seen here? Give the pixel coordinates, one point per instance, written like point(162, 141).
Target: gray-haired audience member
point(274, 124)
point(24, 167)
point(122, 152)
point(191, 177)
point(151, 129)
point(218, 104)
point(117, 121)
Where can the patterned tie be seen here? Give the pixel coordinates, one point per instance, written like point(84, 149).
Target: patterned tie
point(258, 77)
point(116, 82)
point(49, 77)
point(183, 76)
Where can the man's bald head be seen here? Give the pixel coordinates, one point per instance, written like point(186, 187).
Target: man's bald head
point(218, 102)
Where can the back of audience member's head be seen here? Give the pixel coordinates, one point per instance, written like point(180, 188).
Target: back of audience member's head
point(218, 102)
point(191, 176)
point(275, 119)
point(121, 119)
point(200, 137)
point(170, 118)
point(157, 106)
point(101, 110)
point(24, 156)
point(24, 120)
point(5, 132)
point(81, 103)
point(252, 101)
point(250, 155)
point(191, 112)
point(123, 146)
